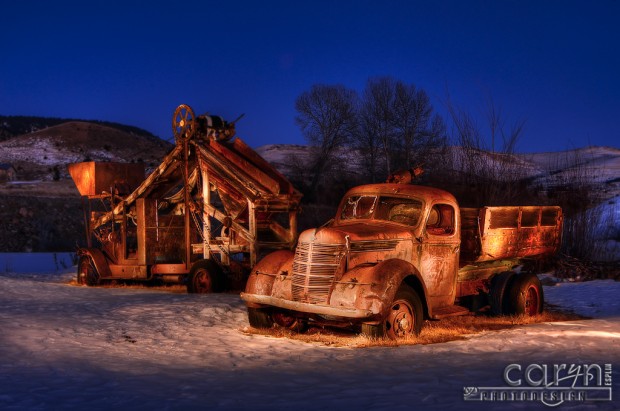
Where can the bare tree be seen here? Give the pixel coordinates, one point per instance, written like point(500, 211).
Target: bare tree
point(571, 187)
point(392, 126)
point(369, 145)
point(420, 132)
point(327, 118)
point(378, 116)
point(489, 176)
point(498, 129)
point(397, 121)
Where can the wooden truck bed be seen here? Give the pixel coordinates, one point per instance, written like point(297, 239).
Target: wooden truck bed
point(494, 233)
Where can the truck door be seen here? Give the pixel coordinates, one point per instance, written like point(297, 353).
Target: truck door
point(440, 253)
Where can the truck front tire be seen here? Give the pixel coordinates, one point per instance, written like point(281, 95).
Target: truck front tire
point(288, 321)
point(260, 318)
point(87, 273)
point(403, 320)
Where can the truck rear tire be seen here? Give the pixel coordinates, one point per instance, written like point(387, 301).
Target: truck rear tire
point(526, 295)
point(260, 318)
point(499, 292)
point(87, 273)
point(403, 320)
point(205, 277)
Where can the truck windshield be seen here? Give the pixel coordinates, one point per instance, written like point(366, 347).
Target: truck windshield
point(358, 207)
point(400, 210)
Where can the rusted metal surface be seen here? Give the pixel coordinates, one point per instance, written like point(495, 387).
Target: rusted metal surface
point(405, 176)
point(306, 307)
point(94, 178)
point(386, 236)
point(493, 233)
point(212, 197)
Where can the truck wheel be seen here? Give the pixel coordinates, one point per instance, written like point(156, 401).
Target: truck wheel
point(526, 295)
point(403, 320)
point(285, 320)
point(499, 289)
point(87, 273)
point(205, 277)
point(259, 318)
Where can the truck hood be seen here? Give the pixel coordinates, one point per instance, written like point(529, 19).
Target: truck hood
point(356, 232)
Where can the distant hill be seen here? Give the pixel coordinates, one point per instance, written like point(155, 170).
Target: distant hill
point(36, 154)
point(11, 126)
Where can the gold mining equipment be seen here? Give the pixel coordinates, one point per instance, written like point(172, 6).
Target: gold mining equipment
point(202, 217)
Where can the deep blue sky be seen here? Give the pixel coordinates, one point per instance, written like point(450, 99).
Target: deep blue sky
point(554, 64)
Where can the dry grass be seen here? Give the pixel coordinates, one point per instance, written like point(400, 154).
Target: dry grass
point(433, 332)
point(171, 288)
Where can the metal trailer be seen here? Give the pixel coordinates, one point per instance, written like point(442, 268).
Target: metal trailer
point(202, 217)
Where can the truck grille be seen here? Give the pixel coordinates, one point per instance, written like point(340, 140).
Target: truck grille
point(314, 268)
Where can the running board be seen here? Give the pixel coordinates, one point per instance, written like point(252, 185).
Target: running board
point(449, 311)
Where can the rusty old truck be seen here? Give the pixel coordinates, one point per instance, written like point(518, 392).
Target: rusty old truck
point(397, 254)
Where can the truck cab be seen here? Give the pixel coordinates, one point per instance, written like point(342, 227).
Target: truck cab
point(389, 259)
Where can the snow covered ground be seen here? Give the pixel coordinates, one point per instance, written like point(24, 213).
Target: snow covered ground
point(67, 347)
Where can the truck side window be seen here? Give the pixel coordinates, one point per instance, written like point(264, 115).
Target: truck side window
point(440, 220)
point(399, 210)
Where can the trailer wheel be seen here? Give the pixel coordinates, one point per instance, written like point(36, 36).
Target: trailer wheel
point(403, 320)
point(260, 318)
point(87, 273)
point(205, 277)
point(526, 296)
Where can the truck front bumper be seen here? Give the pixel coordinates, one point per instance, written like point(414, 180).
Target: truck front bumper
point(306, 307)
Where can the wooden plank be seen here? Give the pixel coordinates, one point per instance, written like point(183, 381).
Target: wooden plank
point(254, 173)
point(285, 186)
point(282, 233)
point(225, 170)
point(198, 248)
point(253, 232)
point(277, 204)
point(206, 221)
point(218, 215)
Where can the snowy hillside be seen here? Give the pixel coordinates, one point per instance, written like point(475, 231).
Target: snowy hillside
point(597, 165)
point(78, 348)
point(35, 153)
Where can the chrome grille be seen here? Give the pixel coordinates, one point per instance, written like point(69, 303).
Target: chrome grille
point(314, 268)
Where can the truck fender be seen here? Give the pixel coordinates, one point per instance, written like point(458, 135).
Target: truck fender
point(265, 272)
point(378, 285)
point(99, 260)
